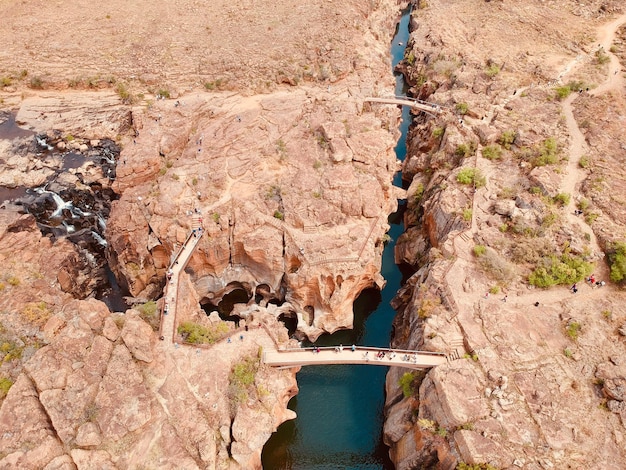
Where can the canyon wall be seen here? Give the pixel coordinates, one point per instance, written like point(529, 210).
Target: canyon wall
point(502, 191)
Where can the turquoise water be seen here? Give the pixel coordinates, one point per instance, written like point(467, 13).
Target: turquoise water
point(340, 408)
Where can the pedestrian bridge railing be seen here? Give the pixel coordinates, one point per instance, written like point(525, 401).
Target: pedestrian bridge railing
point(353, 355)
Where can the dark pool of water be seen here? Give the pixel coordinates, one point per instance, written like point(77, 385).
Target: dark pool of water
point(113, 294)
point(340, 407)
point(10, 194)
point(73, 160)
point(10, 130)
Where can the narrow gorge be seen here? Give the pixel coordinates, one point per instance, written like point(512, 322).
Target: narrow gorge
point(250, 129)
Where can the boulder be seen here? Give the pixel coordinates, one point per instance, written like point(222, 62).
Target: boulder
point(138, 337)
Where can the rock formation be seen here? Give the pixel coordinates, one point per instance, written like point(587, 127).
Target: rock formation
point(289, 199)
point(528, 384)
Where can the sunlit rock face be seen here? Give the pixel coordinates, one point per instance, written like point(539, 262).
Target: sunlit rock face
point(291, 189)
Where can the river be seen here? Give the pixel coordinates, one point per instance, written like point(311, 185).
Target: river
point(340, 407)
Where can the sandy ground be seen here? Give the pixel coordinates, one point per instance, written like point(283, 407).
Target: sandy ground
point(178, 45)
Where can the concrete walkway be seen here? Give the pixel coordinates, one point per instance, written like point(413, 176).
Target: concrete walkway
point(168, 313)
point(361, 355)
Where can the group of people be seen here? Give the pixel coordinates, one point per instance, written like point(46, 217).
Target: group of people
point(591, 280)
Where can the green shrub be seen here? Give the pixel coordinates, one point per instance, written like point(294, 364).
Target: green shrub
point(407, 384)
point(462, 108)
point(583, 204)
point(494, 290)
point(467, 214)
point(279, 215)
point(479, 250)
point(591, 217)
point(215, 84)
point(547, 153)
point(465, 150)
point(241, 378)
point(36, 83)
point(601, 57)
point(163, 93)
point(492, 70)
point(197, 334)
point(584, 161)
point(5, 385)
point(470, 175)
point(562, 199)
point(563, 92)
point(475, 466)
point(507, 139)
point(122, 90)
point(148, 312)
point(617, 261)
point(418, 194)
point(492, 152)
point(438, 132)
point(410, 58)
point(564, 269)
point(573, 329)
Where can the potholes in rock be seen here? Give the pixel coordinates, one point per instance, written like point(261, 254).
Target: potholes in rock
point(225, 304)
point(290, 320)
point(231, 303)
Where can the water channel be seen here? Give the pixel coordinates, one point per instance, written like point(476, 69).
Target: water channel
point(340, 407)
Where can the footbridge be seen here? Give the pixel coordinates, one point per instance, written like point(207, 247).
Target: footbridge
point(406, 101)
point(168, 309)
point(286, 358)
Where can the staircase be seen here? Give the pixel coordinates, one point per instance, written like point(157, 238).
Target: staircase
point(457, 347)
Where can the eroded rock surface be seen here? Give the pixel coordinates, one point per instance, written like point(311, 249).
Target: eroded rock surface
point(534, 378)
point(117, 408)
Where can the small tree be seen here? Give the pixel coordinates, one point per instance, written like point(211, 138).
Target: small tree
point(617, 260)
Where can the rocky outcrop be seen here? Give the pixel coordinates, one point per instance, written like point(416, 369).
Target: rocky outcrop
point(528, 384)
point(304, 221)
point(114, 397)
point(88, 115)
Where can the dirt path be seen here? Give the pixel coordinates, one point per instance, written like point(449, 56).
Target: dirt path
point(573, 176)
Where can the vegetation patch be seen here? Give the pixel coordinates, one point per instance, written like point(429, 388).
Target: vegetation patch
point(465, 150)
point(241, 379)
point(5, 385)
point(492, 152)
point(409, 383)
point(471, 176)
point(617, 261)
point(563, 269)
point(573, 330)
point(195, 333)
point(475, 466)
point(507, 139)
point(547, 153)
point(495, 266)
point(462, 108)
point(149, 314)
point(36, 313)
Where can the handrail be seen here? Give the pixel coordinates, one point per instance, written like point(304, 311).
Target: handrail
point(362, 348)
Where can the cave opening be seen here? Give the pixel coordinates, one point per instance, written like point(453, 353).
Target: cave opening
point(225, 306)
point(290, 320)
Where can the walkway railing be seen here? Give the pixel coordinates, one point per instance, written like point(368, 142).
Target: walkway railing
point(354, 355)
